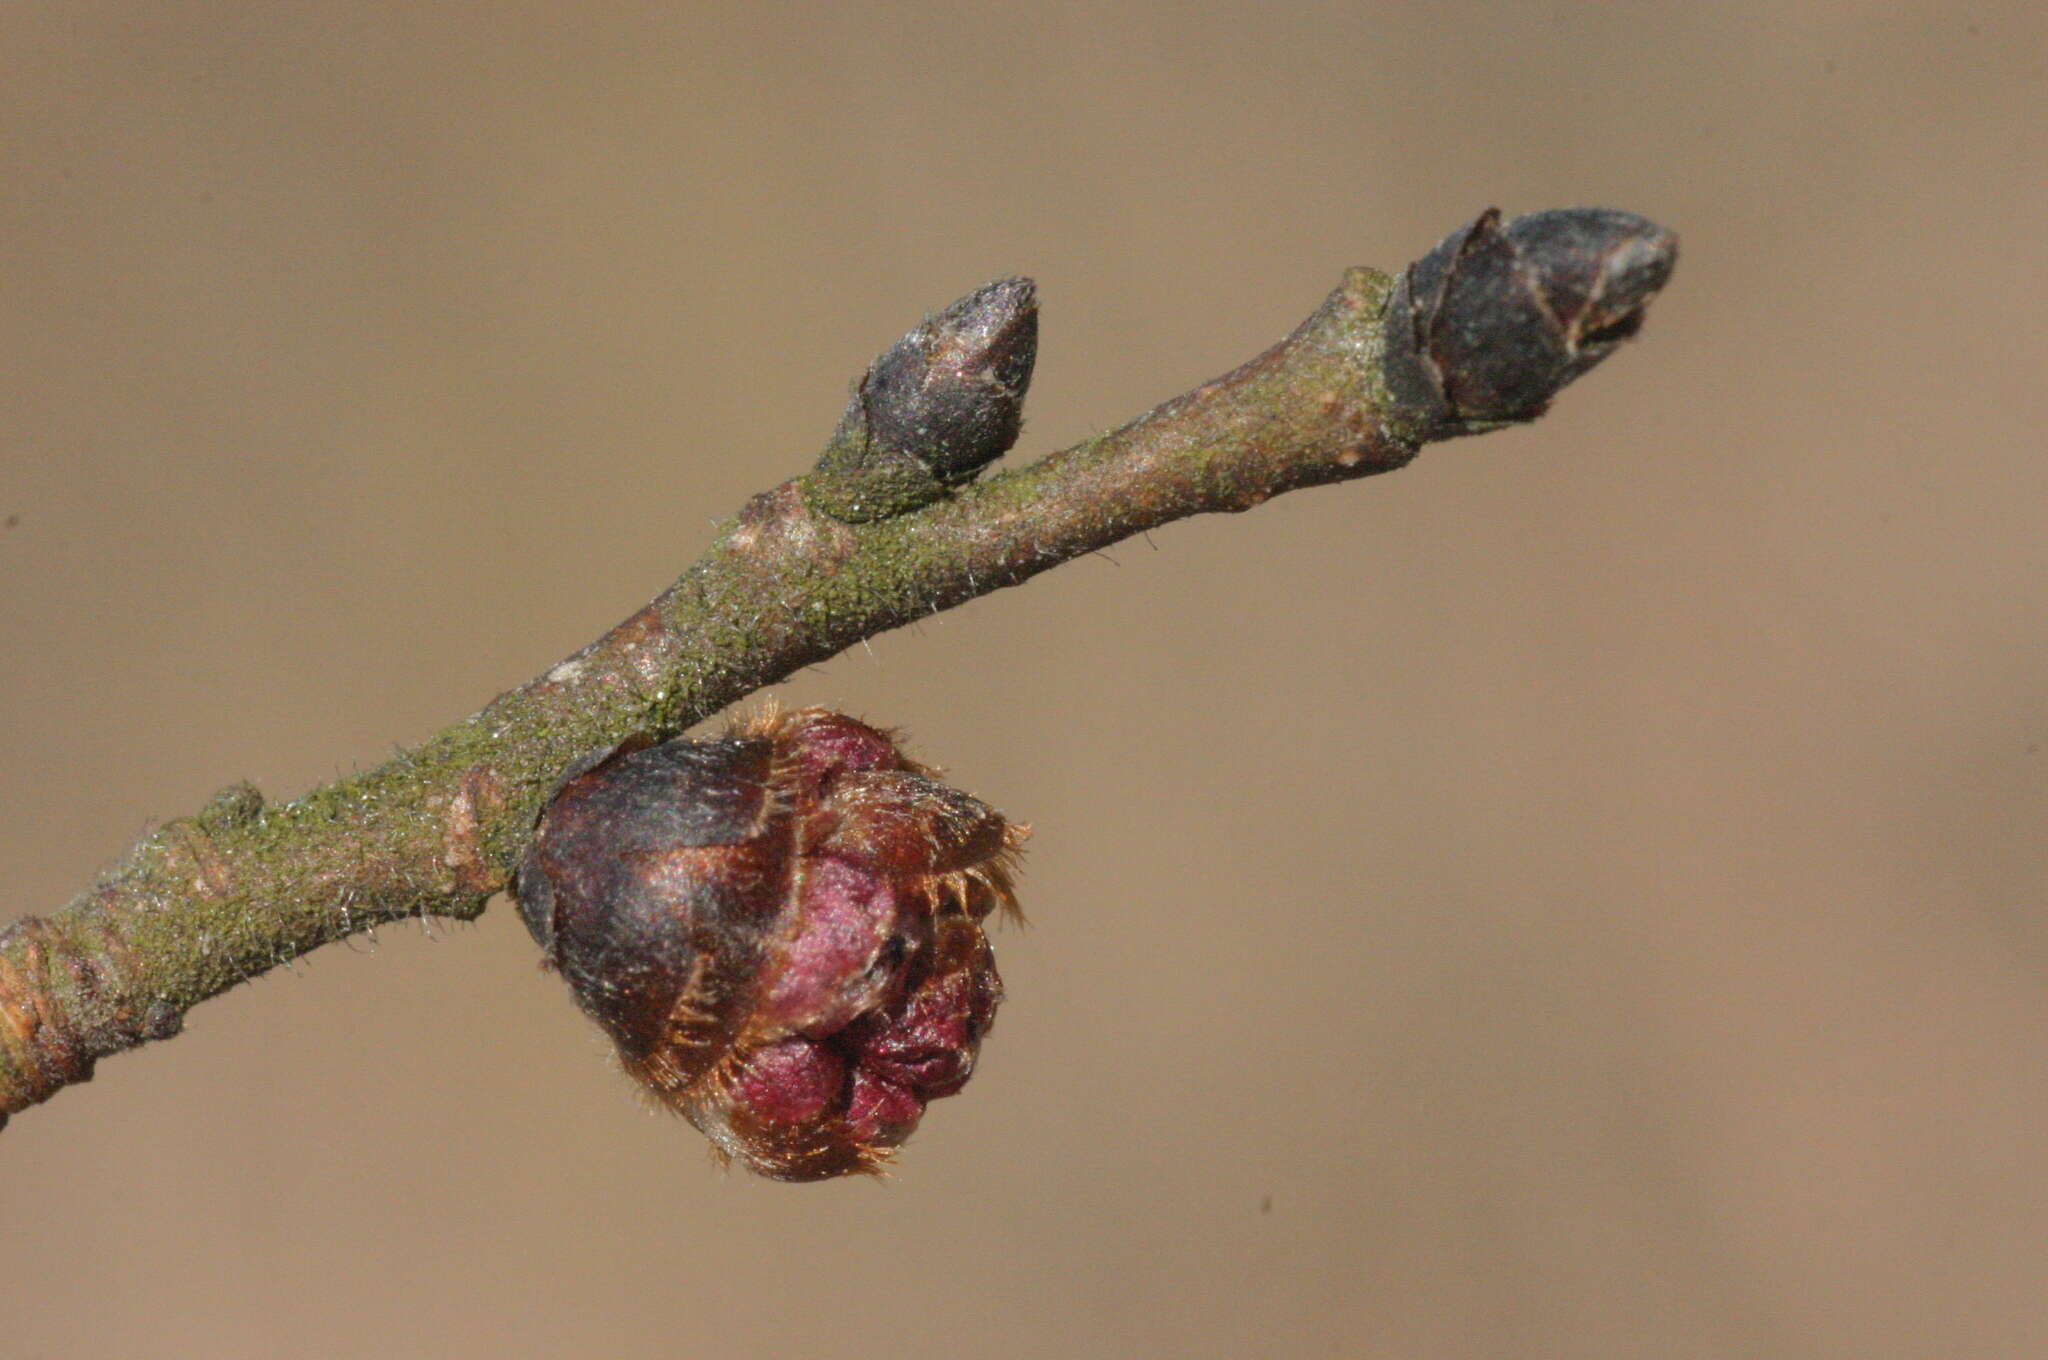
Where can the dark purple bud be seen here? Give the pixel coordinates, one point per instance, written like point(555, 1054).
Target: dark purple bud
point(1485, 329)
point(952, 391)
point(938, 406)
point(781, 931)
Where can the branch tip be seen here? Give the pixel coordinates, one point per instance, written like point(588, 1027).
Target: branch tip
point(1486, 328)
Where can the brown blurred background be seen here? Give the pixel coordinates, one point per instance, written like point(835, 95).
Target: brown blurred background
point(1582, 895)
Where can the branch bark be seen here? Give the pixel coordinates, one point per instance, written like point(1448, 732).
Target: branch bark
point(1478, 334)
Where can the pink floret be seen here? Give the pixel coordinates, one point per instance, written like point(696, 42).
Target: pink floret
point(796, 1081)
point(881, 1112)
point(841, 965)
point(928, 1044)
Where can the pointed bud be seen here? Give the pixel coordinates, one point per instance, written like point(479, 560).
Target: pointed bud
point(941, 404)
point(952, 391)
point(1485, 329)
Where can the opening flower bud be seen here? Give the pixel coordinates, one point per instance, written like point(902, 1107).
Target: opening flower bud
point(781, 931)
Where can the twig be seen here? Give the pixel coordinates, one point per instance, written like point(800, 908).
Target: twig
point(887, 529)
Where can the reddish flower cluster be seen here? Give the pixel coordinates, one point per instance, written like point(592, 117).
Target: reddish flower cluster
point(781, 930)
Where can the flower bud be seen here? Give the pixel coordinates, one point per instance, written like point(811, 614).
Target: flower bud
point(781, 931)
